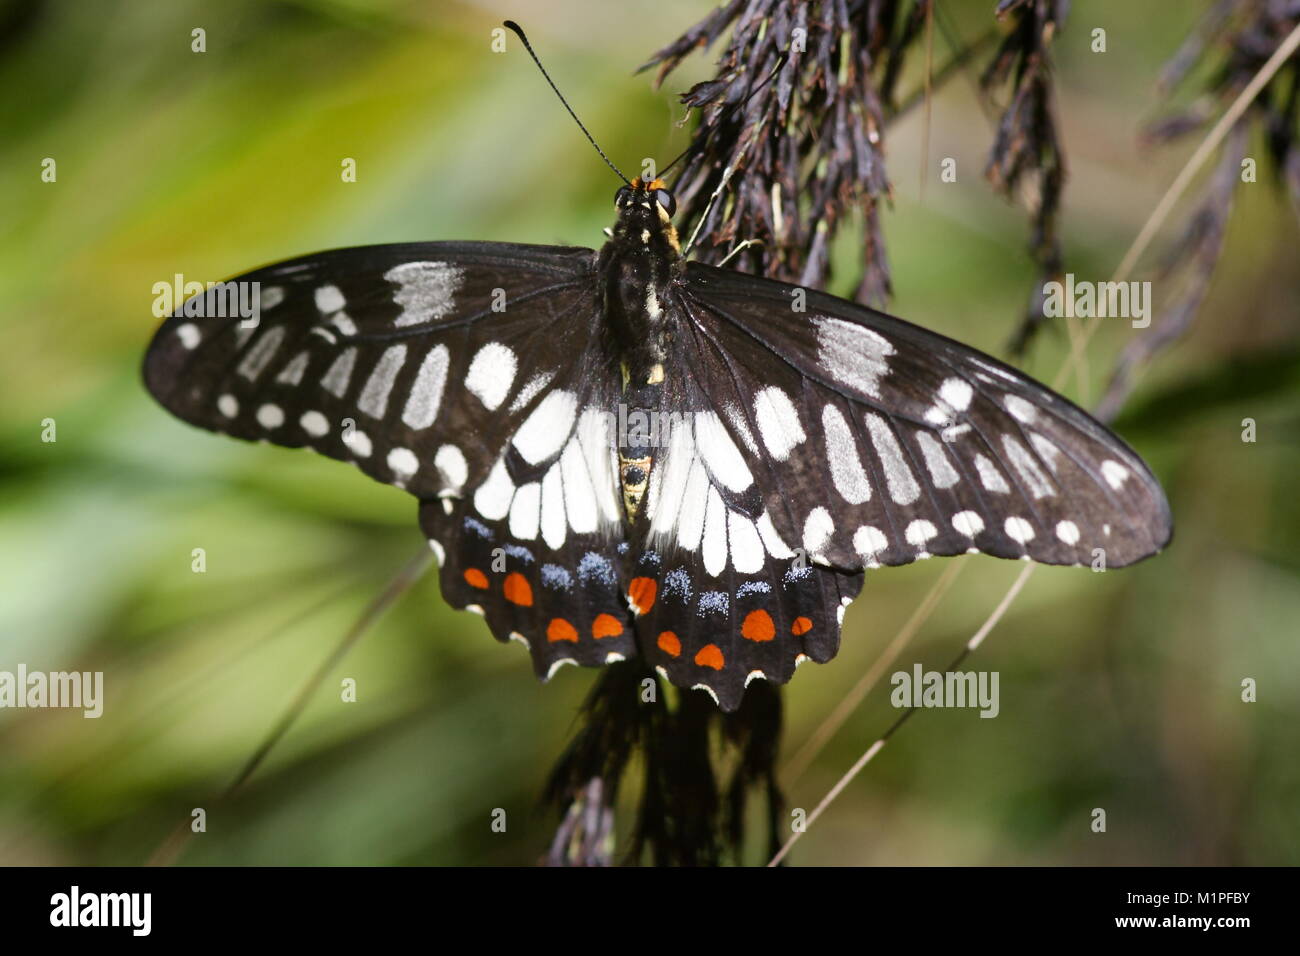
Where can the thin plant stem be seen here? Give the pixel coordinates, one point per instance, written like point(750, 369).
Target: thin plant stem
point(171, 848)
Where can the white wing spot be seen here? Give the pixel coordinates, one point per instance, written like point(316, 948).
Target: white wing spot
point(715, 534)
point(451, 467)
point(344, 324)
point(403, 463)
point(292, 373)
point(270, 416)
point(495, 494)
point(954, 396)
point(957, 393)
point(526, 511)
point(228, 405)
point(1018, 529)
point(547, 428)
point(579, 495)
point(1027, 467)
point(854, 355)
point(314, 423)
point(550, 672)
point(771, 540)
point(668, 481)
point(1021, 409)
point(1114, 473)
point(919, 532)
point(188, 334)
point(869, 542)
point(737, 419)
point(1068, 532)
point(260, 355)
point(1046, 450)
point(968, 523)
point(902, 484)
point(339, 374)
point(778, 422)
point(553, 521)
point(704, 687)
point(425, 397)
point(817, 529)
point(491, 373)
point(847, 473)
point(990, 477)
point(721, 456)
point(329, 299)
point(746, 547)
point(530, 390)
point(941, 470)
point(595, 436)
point(359, 442)
point(269, 297)
point(427, 290)
point(374, 396)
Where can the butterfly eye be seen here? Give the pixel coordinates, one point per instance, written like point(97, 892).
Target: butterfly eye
point(664, 198)
point(620, 195)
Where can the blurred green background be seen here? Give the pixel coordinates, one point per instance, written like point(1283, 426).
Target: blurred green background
point(1118, 690)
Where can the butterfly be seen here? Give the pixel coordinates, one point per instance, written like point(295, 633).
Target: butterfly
point(622, 453)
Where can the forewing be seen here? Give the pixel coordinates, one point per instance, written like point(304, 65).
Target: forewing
point(413, 361)
point(873, 441)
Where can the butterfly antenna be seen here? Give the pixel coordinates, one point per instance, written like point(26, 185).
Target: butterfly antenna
point(518, 31)
point(730, 109)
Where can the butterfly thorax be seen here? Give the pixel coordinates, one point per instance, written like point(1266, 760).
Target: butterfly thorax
point(639, 267)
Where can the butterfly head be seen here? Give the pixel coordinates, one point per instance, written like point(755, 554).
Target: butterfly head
point(645, 212)
point(640, 192)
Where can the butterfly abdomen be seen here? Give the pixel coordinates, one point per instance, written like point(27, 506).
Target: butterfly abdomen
point(638, 418)
point(639, 268)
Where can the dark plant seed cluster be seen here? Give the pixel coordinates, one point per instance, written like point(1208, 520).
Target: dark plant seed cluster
point(1230, 45)
point(791, 139)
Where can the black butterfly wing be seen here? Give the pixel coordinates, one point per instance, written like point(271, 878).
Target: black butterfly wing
point(463, 372)
point(815, 444)
point(877, 442)
point(757, 618)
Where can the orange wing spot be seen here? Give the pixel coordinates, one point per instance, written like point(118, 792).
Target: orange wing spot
point(518, 590)
point(606, 625)
point(801, 625)
point(710, 655)
point(561, 630)
point(641, 594)
point(758, 626)
point(670, 644)
point(476, 579)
